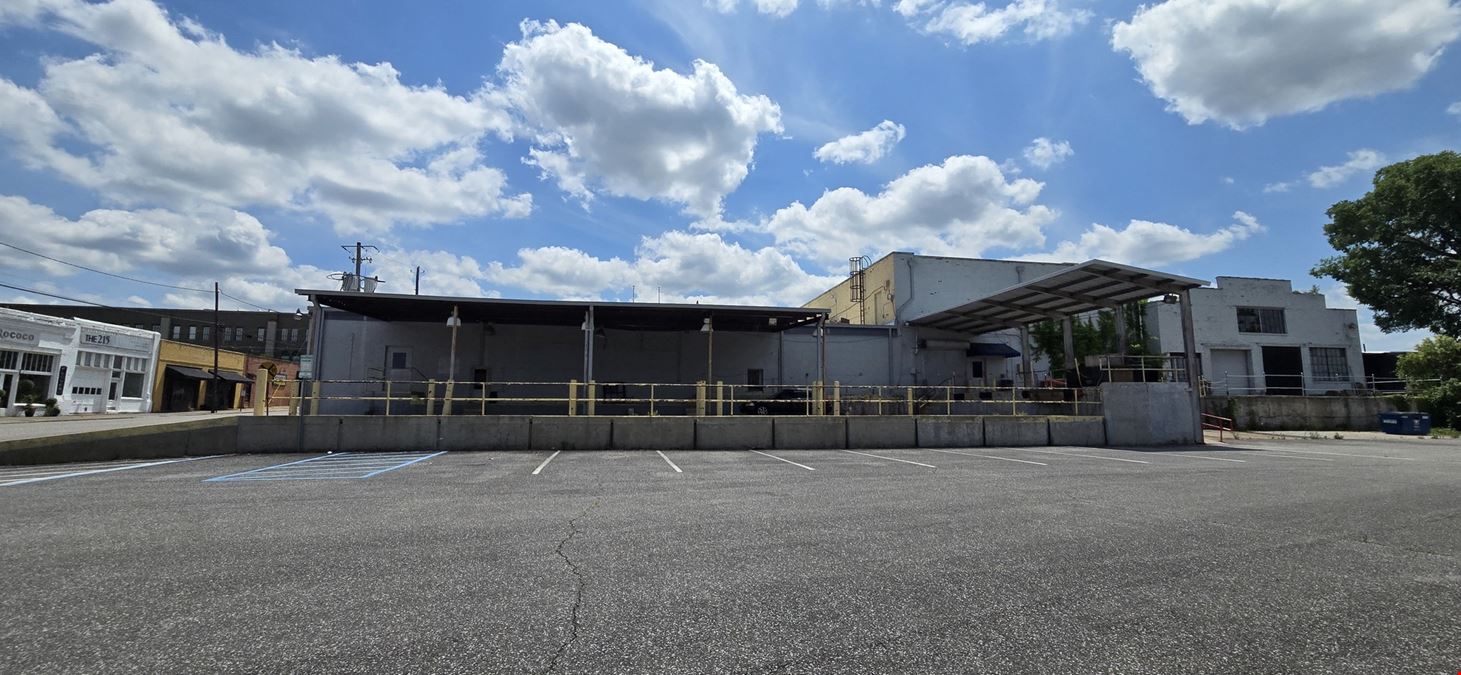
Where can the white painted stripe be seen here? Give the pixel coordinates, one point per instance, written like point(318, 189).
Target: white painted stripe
point(545, 462)
point(1342, 454)
point(266, 468)
point(94, 471)
point(970, 454)
point(891, 459)
point(1312, 459)
point(767, 454)
point(1077, 454)
point(1215, 459)
point(667, 461)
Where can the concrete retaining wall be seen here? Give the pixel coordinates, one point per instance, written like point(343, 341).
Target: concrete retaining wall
point(184, 439)
point(571, 433)
point(367, 433)
point(1148, 413)
point(733, 433)
point(950, 432)
point(1300, 413)
point(1081, 431)
point(1016, 431)
point(653, 433)
point(882, 432)
point(810, 433)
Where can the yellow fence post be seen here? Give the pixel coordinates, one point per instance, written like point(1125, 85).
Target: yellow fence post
point(296, 393)
point(573, 397)
point(700, 398)
point(880, 401)
point(388, 398)
point(484, 398)
point(909, 391)
point(731, 409)
point(948, 400)
point(447, 401)
point(314, 397)
point(261, 391)
point(431, 397)
point(651, 400)
point(819, 395)
point(589, 398)
point(719, 398)
point(836, 397)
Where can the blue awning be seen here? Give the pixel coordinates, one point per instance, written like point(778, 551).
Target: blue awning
point(996, 349)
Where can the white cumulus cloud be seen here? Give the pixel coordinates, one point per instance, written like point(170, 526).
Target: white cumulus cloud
point(167, 113)
point(601, 119)
point(975, 23)
point(865, 147)
point(674, 267)
point(777, 8)
point(964, 206)
point(1241, 62)
point(1359, 161)
point(1044, 153)
point(1150, 244)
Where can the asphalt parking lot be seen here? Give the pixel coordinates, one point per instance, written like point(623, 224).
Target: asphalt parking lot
point(1293, 556)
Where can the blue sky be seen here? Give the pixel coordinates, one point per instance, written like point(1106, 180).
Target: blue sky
point(734, 151)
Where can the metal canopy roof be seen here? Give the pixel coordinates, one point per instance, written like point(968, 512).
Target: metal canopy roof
point(1089, 286)
point(620, 315)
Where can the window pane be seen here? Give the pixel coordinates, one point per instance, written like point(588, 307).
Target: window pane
point(132, 385)
point(7, 359)
point(177, 332)
point(1329, 363)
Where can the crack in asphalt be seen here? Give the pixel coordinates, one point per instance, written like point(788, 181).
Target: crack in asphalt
point(573, 569)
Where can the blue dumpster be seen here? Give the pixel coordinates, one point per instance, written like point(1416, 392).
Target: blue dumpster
point(1405, 423)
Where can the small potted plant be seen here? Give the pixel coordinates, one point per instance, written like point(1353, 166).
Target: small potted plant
point(25, 395)
point(52, 410)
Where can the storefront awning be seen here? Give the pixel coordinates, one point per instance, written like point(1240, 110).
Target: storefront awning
point(190, 372)
point(233, 377)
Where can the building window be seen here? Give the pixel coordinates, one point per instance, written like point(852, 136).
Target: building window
point(156, 328)
point(207, 332)
point(36, 363)
point(227, 334)
point(1329, 363)
point(177, 332)
point(132, 385)
point(7, 360)
point(294, 335)
point(1261, 320)
point(261, 334)
point(755, 378)
point(192, 333)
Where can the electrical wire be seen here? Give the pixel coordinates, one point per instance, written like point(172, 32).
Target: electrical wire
point(132, 279)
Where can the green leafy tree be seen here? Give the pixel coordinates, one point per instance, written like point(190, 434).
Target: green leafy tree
point(1433, 374)
point(1098, 337)
point(1400, 245)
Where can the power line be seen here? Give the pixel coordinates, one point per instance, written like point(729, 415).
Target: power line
point(132, 279)
point(110, 274)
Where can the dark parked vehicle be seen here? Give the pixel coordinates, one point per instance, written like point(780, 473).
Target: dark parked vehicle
point(784, 402)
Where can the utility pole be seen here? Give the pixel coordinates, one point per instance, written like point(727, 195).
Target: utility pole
point(213, 386)
point(358, 257)
point(418, 280)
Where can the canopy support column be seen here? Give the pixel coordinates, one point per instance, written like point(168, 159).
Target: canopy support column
point(1189, 350)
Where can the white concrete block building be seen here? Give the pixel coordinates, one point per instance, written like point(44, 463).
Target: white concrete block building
point(85, 365)
point(1259, 336)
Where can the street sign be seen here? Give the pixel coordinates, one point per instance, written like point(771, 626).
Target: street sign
point(306, 366)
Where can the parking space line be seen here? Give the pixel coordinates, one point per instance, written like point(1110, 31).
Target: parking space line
point(891, 459)
point(1341, 454)
point(1279, 454)
point(266, 468)
point(404, 464)
point(783, 459)
point(970, 454)
point(667, 461)
point(89, 472)
point(545, 462)
point(1215, 459)
point(1077, 454)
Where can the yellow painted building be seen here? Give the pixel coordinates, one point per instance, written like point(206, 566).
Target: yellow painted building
point(185, 371)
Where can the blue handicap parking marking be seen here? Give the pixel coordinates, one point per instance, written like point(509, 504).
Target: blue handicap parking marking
point(335, 466)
